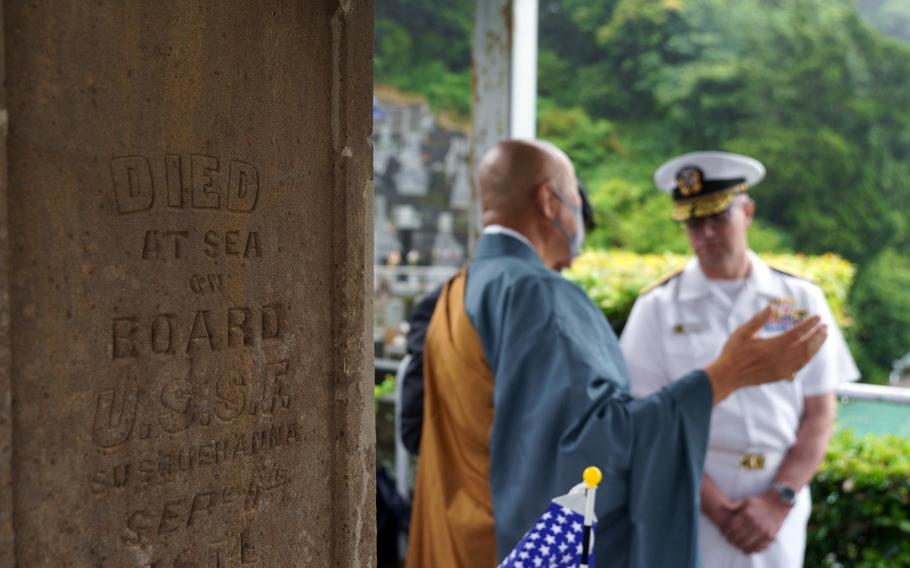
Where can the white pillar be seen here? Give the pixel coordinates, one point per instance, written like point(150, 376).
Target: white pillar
point(505, 71)
point(523, 87)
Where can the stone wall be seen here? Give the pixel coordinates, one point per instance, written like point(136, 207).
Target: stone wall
point(188, 203)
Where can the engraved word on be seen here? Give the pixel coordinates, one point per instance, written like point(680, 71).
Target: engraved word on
point(204, 284)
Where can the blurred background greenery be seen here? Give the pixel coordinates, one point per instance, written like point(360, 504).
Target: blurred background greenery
point(614, 278)
point(818, 90)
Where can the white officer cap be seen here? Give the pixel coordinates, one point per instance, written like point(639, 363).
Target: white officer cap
point(704, 183)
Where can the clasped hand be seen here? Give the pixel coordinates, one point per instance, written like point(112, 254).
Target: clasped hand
point(752, 524)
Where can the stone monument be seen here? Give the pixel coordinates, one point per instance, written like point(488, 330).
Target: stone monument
point(184, 330)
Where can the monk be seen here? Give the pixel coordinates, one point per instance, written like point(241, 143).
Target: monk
point(526, 386)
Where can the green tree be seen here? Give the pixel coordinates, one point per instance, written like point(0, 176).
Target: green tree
point(829, 125)
point(612, 51)
point(425, 48)
point(809, 87)
point(881, 306)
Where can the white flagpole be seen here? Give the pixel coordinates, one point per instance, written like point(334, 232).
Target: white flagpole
point(592, 477)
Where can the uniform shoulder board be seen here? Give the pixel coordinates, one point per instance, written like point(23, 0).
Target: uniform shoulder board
point(792, 274)
point(660, 281)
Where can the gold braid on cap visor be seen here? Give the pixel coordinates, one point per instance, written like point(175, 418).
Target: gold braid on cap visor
point(706, 205)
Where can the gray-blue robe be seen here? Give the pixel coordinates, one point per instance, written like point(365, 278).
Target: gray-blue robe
point(562, 403)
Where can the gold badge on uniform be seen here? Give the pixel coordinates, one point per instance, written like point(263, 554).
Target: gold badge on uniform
point(752, 462)
point(785, 314)
point(681, 328)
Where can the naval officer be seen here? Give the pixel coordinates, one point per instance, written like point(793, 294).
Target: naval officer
point(525, 385)
point(766, 441)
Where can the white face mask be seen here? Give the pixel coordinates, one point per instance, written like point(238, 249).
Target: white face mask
point(577, 240)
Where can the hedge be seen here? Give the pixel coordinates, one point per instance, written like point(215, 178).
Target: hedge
point(861, 504)
point(861, 495)
point(614, 278)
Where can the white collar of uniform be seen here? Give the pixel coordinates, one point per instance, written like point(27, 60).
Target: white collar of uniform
point(502, 230)
point(761, 278)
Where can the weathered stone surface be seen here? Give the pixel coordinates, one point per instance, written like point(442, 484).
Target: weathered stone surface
point(188, 201)
point(6, 449)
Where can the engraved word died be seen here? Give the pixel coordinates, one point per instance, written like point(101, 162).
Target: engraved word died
point(196, 181)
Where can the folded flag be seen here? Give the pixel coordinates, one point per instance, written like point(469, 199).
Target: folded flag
point(564, 534)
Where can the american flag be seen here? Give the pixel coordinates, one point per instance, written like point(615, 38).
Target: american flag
point(556, 540)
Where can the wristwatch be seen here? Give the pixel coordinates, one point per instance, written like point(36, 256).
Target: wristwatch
point(785, 493)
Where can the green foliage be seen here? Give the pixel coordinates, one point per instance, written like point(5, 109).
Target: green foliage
point(434, 63)
point(713, 79)
point(809, 87)
point(383, 390)
point(881, 305)
point(861, 504)
point(765, 238)
point(824, 124)
point(625, 84)
point(613, 279)
point(799, 199)
point(626, 213)
point(438, 31)
point(585, 139)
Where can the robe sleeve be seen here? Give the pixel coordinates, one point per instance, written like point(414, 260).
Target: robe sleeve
point(561, 403)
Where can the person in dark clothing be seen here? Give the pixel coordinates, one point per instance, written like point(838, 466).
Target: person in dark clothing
point(393, 514)
point(411, 413)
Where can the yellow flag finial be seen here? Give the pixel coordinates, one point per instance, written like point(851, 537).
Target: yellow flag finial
point(592, 477)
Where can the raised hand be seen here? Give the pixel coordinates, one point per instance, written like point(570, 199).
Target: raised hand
point(748, 360)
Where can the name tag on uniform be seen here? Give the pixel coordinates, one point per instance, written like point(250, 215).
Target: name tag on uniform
point(785, 313)
point(681, 328)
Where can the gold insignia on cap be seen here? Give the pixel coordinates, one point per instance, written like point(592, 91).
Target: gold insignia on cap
point(705, 205)
point(689, 181)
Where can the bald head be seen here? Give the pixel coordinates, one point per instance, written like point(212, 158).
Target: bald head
point(512, 171)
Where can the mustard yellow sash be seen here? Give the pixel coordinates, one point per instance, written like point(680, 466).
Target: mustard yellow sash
point(452, 519)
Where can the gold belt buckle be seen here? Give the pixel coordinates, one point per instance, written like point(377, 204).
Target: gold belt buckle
point(752, 462)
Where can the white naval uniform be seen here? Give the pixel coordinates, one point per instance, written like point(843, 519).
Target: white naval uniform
point(682, 325)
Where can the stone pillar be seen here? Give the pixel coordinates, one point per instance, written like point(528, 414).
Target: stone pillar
point(188, 348)
point(7, 550)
